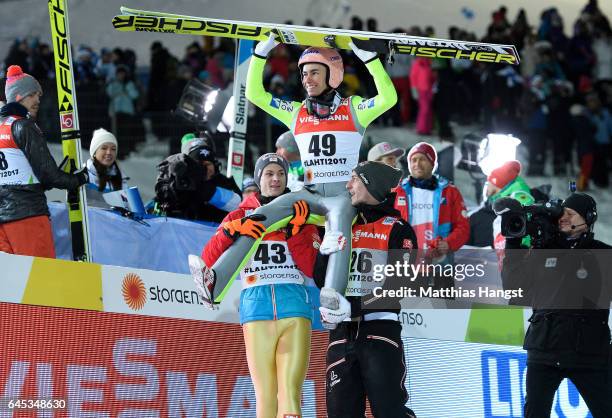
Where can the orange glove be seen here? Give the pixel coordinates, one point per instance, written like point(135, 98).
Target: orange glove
point(249, 226)
point(301, 211)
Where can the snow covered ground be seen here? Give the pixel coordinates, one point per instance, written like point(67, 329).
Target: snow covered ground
point(141, 168)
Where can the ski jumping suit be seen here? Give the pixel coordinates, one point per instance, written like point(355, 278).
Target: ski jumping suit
point(365, 356)
point(275, 311)
point(329, 150)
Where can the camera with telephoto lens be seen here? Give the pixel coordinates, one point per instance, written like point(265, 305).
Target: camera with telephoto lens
point(538, 221)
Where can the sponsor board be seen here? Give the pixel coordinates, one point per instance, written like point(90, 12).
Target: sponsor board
point(113, 365)
point(160, 293)
point(110, 364)
point(467, 380)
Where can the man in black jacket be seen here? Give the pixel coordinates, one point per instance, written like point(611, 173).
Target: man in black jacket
point(191, 186)
point(27, 169)
point(567, 284)
point(365, 355)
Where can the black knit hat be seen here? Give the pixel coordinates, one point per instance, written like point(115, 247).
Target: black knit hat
point(201, 150)
point(583, 204)
point(264, 161)
point(378, 178)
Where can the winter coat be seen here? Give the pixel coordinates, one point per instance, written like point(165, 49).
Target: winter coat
point(27, 200)
point(422, 76)
point(448, 218)
point(566, 287)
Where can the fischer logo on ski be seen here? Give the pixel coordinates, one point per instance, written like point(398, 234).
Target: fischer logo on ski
point(69, 126)
point(141, 20)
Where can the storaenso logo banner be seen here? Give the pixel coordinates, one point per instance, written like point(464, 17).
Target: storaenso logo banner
point(61, 49)
point(169, 24)
point(181, 296)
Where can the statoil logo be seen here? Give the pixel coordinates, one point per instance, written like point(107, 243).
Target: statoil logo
point(134, 292)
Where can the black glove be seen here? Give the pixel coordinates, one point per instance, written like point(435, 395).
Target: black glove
point(206, 190)
point(82, 175)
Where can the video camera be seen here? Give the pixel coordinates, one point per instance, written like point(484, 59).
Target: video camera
point(539, 221)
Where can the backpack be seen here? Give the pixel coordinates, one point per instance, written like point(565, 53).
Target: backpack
point(178, 180)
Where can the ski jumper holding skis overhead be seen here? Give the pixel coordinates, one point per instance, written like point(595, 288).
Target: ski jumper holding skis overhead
point(328, 130)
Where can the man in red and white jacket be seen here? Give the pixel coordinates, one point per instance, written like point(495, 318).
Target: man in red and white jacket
point(431, 204)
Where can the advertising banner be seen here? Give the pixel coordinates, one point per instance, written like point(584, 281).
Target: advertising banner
point(104, 365)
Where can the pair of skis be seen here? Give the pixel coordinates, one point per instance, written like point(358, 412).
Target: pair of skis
point(69, 124)
point(133, 20)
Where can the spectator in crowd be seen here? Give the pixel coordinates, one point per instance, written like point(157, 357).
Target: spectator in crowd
point(503, 181)
point(422, 81)
point(602, 120)
point(584, 131)
point(195, 59)
point(535, 121)
point(28, 170)
point(104, 173)
point(105, 67)
point(520, 29)
point(529, 56)
point(275, 310)
point(602, 47)
point(365, 356)
point(191, 186)
point(249, 186)
point(287, 148)
point(123, 93)
point(431, 204)
point(385, 153)
point(399, 72)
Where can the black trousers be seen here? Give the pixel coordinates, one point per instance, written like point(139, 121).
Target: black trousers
point(366, 359)
point(543, 381)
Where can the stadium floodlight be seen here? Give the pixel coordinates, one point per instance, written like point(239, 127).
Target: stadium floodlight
point(227, 119)
point(496, 149)
point(202, 105)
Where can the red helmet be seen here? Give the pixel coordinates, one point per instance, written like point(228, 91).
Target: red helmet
point(328, 57)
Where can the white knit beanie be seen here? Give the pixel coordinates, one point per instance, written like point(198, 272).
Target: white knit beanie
point(101, 136)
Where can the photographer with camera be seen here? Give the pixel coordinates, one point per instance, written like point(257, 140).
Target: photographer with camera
point(562, 280)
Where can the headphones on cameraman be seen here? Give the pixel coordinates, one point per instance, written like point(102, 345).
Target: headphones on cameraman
point(591, 215)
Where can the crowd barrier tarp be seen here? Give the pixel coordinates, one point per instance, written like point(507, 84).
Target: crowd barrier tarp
point(106, 365)
point(157, 243)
